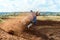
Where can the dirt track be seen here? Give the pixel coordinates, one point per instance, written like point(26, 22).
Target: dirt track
point(47, 29)
point(43, 30)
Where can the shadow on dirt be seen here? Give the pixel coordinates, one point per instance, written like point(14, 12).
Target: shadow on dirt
point(47, 22)
point(38, 34)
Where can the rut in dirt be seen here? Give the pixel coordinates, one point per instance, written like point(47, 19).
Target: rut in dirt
point(48, 28)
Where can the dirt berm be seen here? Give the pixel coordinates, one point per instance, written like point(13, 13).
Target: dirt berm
point(16, 25)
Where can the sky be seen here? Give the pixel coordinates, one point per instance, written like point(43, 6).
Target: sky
point(27, 5)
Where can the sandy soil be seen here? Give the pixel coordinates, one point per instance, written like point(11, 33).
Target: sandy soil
point(5, 36)
point(42, 30)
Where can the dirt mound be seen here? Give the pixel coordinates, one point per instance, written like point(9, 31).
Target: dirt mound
point(16, 25)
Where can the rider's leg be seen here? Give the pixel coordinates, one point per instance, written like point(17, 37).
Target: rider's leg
point(34, 20)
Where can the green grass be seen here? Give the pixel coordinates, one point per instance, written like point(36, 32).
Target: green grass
point(1, 20)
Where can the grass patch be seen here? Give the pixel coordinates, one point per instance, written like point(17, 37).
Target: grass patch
point(1, 20)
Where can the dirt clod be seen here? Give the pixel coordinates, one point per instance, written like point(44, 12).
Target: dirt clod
point(11, 32)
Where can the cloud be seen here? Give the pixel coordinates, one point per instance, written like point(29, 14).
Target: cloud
point(26, 5)
point(50, 6)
